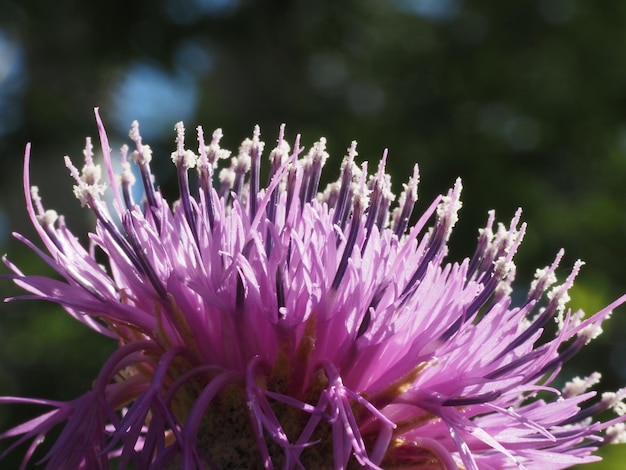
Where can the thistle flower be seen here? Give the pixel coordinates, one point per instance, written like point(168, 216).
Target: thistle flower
point(282, 327)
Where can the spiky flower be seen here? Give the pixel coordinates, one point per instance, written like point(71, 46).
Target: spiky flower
point(279, 327)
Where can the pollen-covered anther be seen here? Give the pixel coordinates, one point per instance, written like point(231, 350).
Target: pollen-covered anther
point(88, 150)
point(278, 156)
point(318, 151)
point(615, 401)
point(248, 147)
point(352, 153)
point(181, 157)
point(386, 187)
point(590, 332)
point(616, 434)
point(127, 176)
point(88, 187)
point(503, 266)
point(91, 174)
point(255, 144)
point(504, 287)
point(544, 278)
point(134, 132)
point(281, 151)
point(448, 209)
point(187, 159)
point(213, 151)
point(34, 194)
point(560, 295)
point(242, 162)
point(143, 156)
point(408, 197)
point(48, 218)
point(330, 193)
point(578, 386)
point(360, 192)
point(410, 188)
point(227, 176)
point(502, 240)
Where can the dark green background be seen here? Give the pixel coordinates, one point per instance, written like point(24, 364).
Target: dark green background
point(524, 99)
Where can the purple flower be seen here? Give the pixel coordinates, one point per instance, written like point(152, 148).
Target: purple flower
point(280, 327)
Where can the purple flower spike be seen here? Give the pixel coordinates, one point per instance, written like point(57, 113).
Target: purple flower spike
point(278, 326)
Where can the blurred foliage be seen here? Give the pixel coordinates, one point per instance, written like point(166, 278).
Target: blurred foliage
point(613, 458)
point(524, 99)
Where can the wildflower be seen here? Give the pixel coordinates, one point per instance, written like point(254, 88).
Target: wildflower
point(282, 327)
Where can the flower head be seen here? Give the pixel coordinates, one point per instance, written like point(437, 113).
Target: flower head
point(283, 327)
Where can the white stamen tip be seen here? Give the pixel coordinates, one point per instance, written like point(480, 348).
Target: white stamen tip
point(578, 386)
point(616, 434)
point(143, 157)
point(187, 159)
point(48, 218)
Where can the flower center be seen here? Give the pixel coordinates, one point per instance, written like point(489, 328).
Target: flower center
point(226, 437)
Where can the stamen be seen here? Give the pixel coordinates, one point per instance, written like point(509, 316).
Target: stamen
point(330, 195)
point(614, 400)
point(361, 200)
point(142, 156)
point(184, 160)
point(314, 162)
point(376, 187)
point(502, 269)
point(205, 176)
point(209, 156)
point(46, 218)
point(88, 152)
point(559, 295)
point(215, 152)
point(485, 237)
point(277, 157)
point(291, 187)
point(127, 179)
point(240, 165)
point(279, 154)
point(227, 180)
point(447, 215)
point(569, 352)
point(609, 400)
point(141, 262)
point(34, 194)
point(253, 149)
point(387, 197)
point(348, 168)
point(448, 211)
point(544, 278)
point(293, 179)
point(578, 386)
point(408, 198)
point(87, 189)
point(615, 434)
